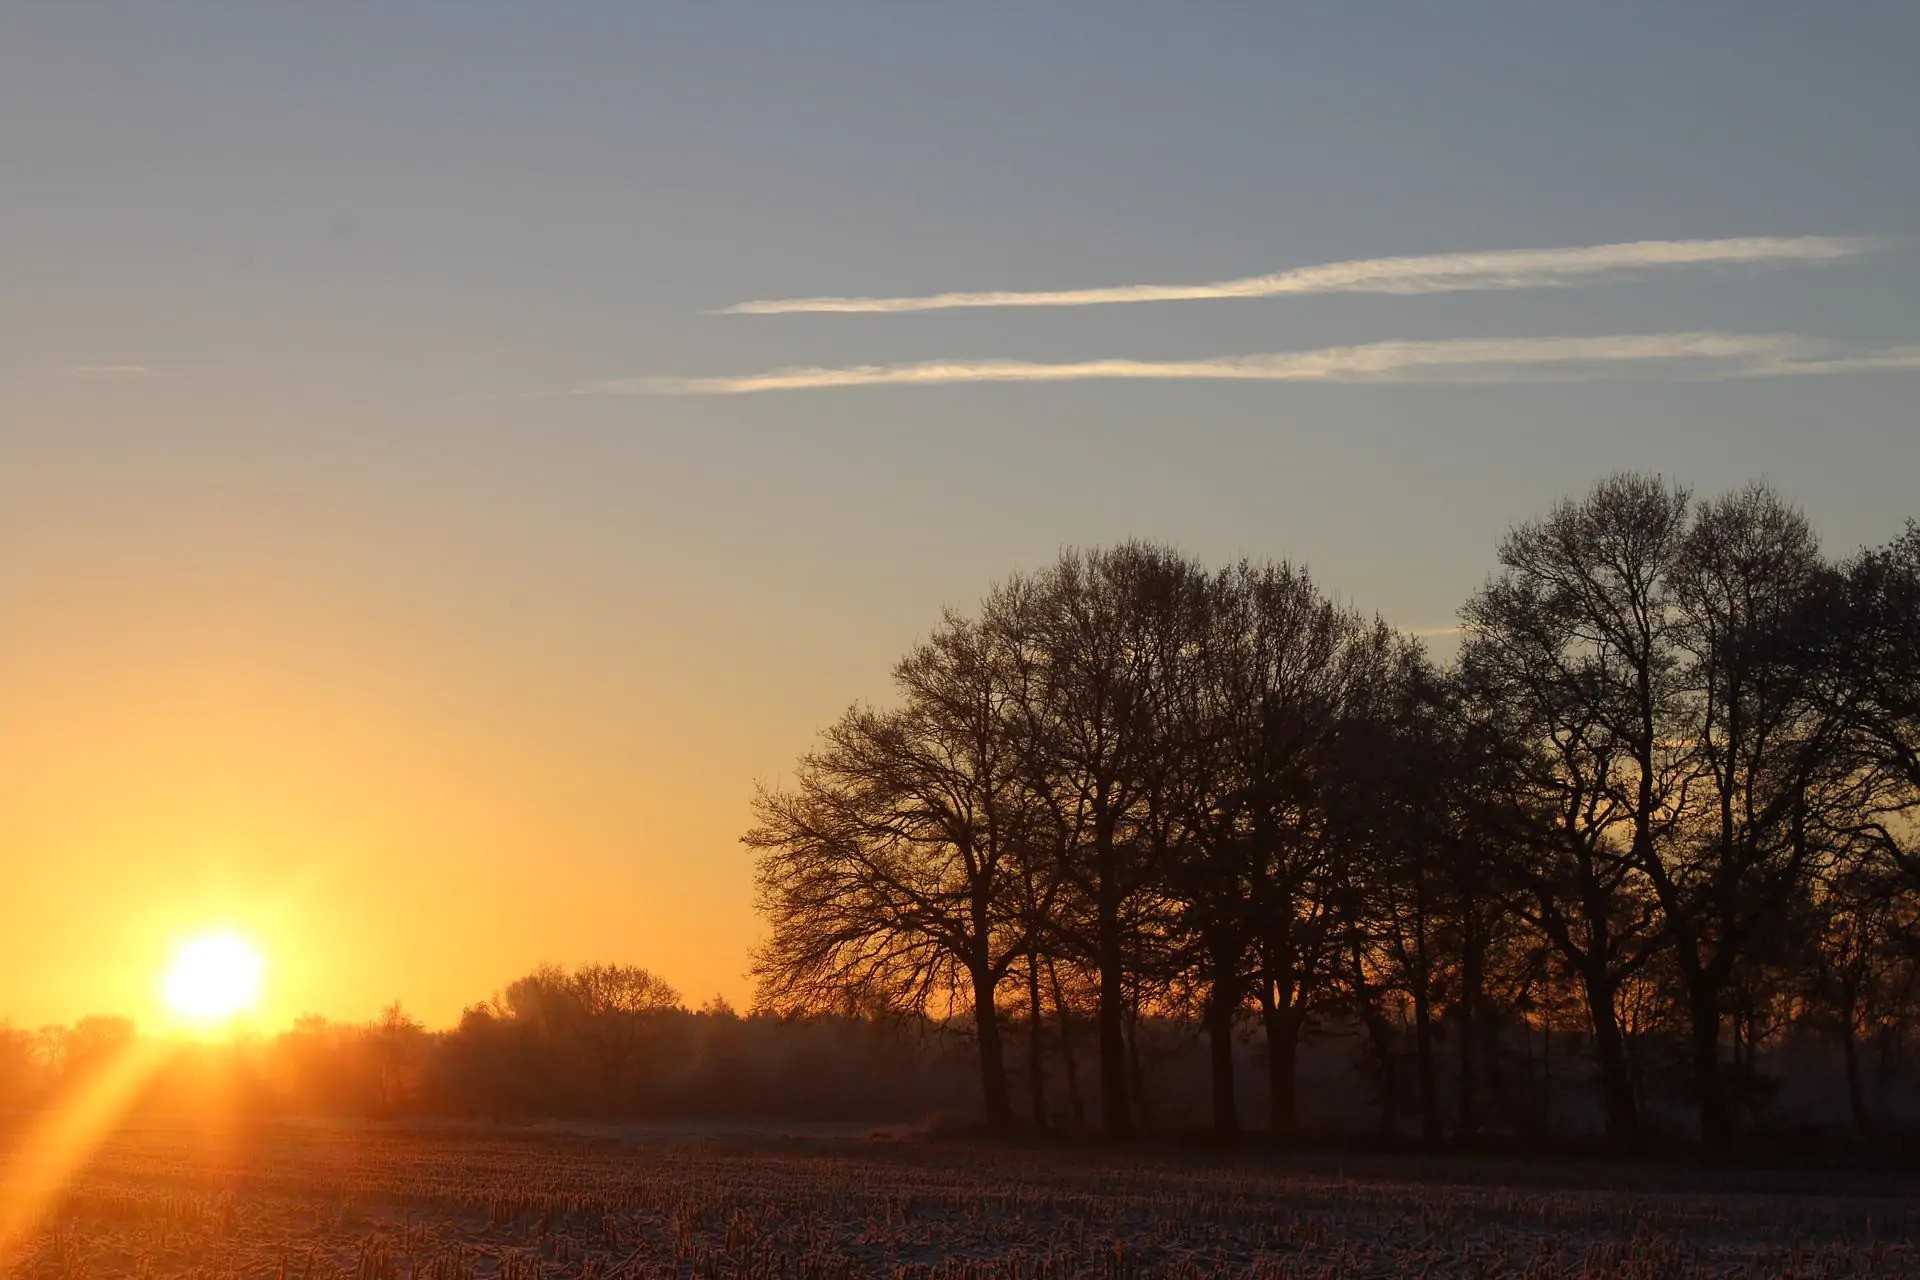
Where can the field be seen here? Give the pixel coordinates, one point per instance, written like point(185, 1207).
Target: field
point(312, 1201)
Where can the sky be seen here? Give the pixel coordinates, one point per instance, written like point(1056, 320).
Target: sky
point(408, 559)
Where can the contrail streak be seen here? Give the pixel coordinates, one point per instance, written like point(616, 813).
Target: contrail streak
point(1446, 360)
point(1429, 273)
point(1883, 359)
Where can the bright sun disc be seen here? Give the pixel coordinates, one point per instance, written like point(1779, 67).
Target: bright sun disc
point(212, 978)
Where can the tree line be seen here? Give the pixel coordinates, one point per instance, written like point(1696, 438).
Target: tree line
point(1664, 798)
point(599, 1041)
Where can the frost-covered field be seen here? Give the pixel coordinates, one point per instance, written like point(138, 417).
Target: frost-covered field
point(443, 1203)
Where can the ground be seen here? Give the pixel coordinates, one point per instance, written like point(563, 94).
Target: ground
point(450, 1202)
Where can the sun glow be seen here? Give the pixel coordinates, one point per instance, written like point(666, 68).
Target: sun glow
point(214, 977)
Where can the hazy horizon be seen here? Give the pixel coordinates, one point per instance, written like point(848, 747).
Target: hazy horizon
point(406, 559)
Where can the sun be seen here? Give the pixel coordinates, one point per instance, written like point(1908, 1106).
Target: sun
point(213, 977)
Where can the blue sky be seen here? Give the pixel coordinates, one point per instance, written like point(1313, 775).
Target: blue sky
point(294, 301)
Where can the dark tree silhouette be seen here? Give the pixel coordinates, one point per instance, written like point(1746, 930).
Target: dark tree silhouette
point(1670, 785)
point(617, 1004)
point(1101, 627)
point(890, 867)
point(1868, 647)
point(1745, 834)
point(1569, 652)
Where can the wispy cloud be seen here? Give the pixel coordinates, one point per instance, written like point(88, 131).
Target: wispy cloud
point(1831, 361)
point(1429, 633)
point(107, 370)
point(1719, 355)
point(1428, 273)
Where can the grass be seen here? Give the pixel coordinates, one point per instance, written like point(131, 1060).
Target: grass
point(315, 1202)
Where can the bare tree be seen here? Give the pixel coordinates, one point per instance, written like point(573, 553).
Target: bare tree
point(398, 1043)
point(1869, 648)
point(1316, 670)
point(1569, 650)
point(617, 1004)
point(1759, 750)
point(889, 867)
point(1202, 844)
point(1098, 625)
point(1133, 790)
point(1414, 852)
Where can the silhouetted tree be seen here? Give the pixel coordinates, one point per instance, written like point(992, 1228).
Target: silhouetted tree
point(618, 1005)
point(889, 867)
point(1570, 653)
point(1755, 749)
point(1868, 646)
point(1307, 687)
point(398, 1044)
point(1100, 627)
point(1670, 782)
point(25, 1072)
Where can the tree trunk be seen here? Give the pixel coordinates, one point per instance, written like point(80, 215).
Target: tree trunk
point(1036, 1075)
point(1423, 1057)
point(1380, 1038)
point(1616, 1074)
point(1495, 1074)
point(1470, 980)
point(1709, 1081)
point(1136, 1074)
point(993, 1071)
point(1070, 1062)
point(1546, 1080)
point(1856, 1092)
point(1115, 1116)
point(1283, 1068)
point(1222, 1002)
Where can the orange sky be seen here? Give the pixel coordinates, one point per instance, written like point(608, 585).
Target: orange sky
point(356, 591)
point(418, 720)
point(407, 755)
point(388, 811)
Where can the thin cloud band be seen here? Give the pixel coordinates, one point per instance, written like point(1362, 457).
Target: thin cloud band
point(1493, 360)
point(1429, 273)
